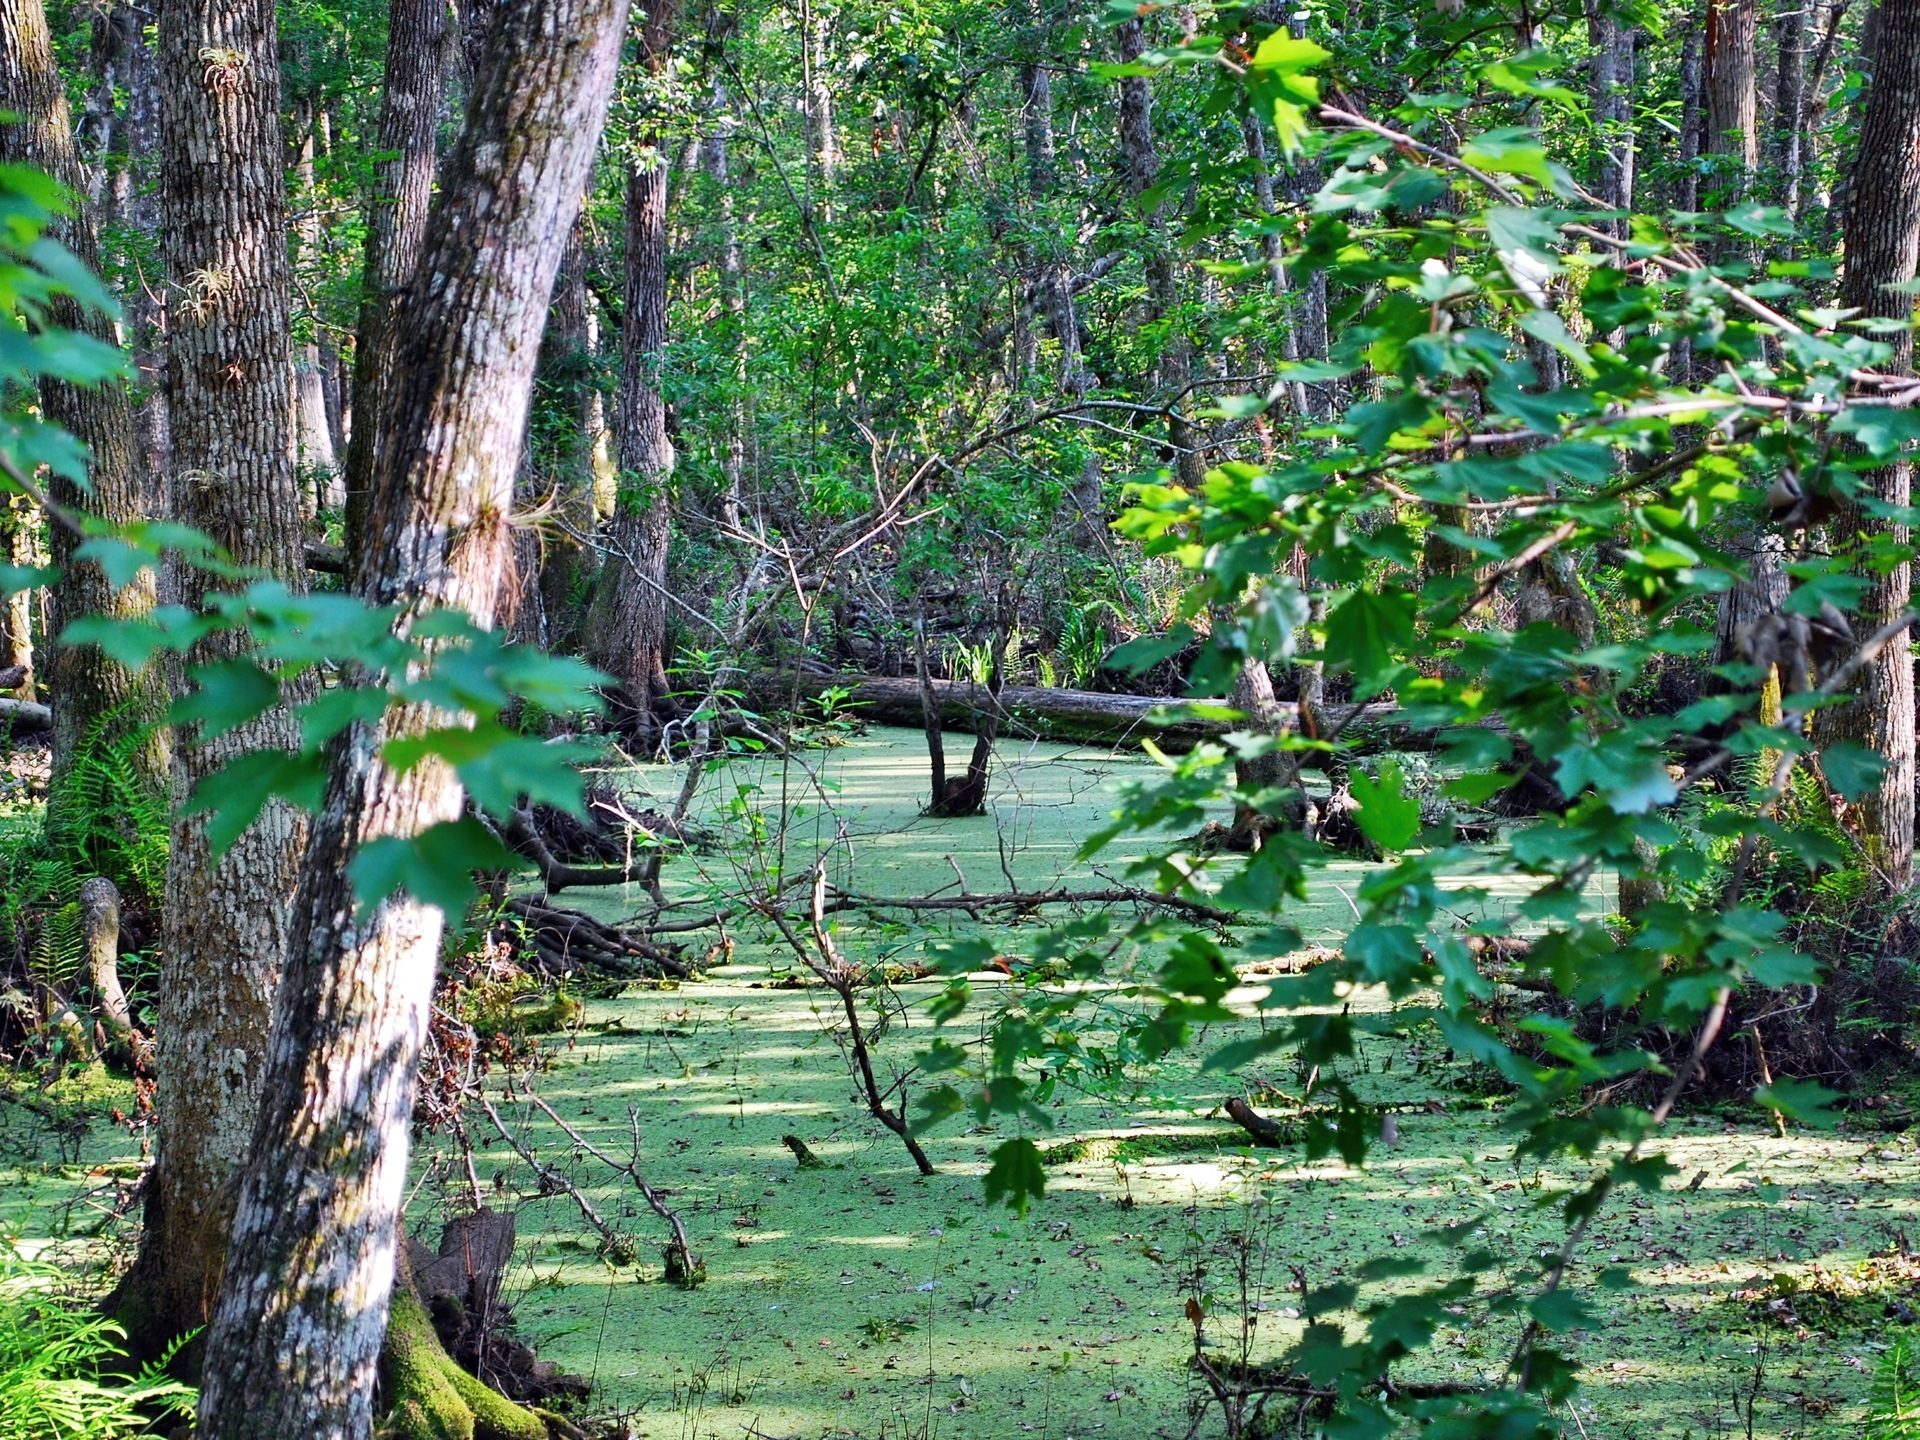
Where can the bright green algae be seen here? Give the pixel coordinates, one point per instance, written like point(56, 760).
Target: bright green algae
point(860, 1299)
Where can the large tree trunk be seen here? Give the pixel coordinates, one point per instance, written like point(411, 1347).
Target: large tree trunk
point(303, 1304)
point(631, 641)
point(89, 691)
point(419, 51)
point(1733, 106)
point(1789, 103)
point(1882, 251)
point(130, 197)
point(224, 928)
point(1612, 92)
point(1140, 160)
point(733, 299)
point(1733, 132)
point(1036, 125)
point(823, 138)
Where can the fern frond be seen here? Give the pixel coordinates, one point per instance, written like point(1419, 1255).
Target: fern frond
point(1893, 1406)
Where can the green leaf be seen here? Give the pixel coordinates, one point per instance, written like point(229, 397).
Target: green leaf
point(72, 275)
point(1559, 1310)
point(1363, 633)
point(1851, 769)
point(1386, 816)
point(334, 709)
point(131, 642)
point(1375, 423)
point(498, 767)
point(225, 696)
point(15, 578)
point(1520, 76)
point(1542, 413)
point(1197, 970)
point(1512, 152)
point(235, 794)
point(1547, 326)
point(1802, 1100)
point(1533, 233)
point(1278, 83)
point(434, 867)
point(1140, 655)
point(1479, 786)
point(121, 562)
point(1017, 1176)
point(937, 1105)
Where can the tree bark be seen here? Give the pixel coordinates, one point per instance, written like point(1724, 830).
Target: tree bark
point(823, 139)
point(130, 197)
point(1789, 103)
point(1140, 161)
point(1612, 94)
point(89, 690)
point(733, 299)
point(303, 1304)
point(631, 642)
point(1732, 94)
point(1692, 117)
point(1883, 250)
point(420, 43)
point(1278, 770)
point(1036, 127)
point(224, 926)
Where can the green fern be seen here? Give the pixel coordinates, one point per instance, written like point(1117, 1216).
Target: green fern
point(61, 1368)
point(104, 818)
point(1893, 1407)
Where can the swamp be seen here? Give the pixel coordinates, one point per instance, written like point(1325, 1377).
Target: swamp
point(918, 719)
point(846, 1294)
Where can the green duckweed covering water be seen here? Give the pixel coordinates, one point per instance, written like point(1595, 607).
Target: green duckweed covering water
point(862, 1299)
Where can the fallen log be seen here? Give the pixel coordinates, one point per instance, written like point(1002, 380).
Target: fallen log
point(327, 559)
point(1263, 1130)
point(1046, 713)
point(1025, 902)
point(25, 714)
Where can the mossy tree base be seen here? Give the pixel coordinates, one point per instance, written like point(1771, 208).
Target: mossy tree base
point(432, 1398)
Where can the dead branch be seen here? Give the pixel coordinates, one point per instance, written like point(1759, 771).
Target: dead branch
point(567, 940)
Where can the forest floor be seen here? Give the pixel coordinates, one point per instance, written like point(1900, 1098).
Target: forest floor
point(863, 1300)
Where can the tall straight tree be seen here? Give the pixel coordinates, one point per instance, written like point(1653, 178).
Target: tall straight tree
point(1882, 254)
point(633, 637)
point(1732, 86)
point(303, 1304)
point(420, 42)
point(1732, 133)
point(88, 688)
point(229, 377)
point(1140, 167)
